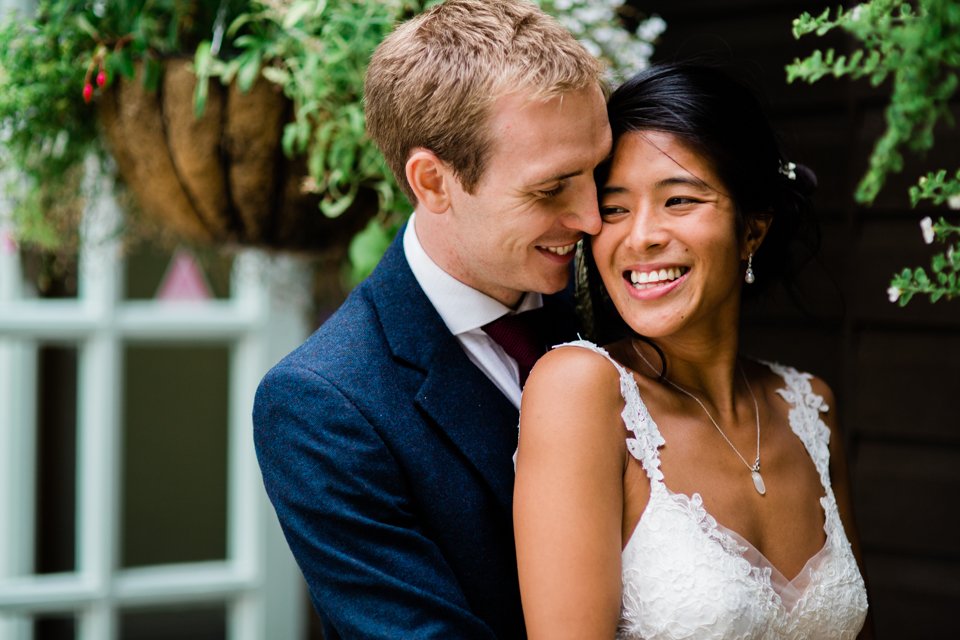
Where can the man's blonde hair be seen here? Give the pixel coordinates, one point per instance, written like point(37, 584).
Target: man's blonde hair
point(432, 82)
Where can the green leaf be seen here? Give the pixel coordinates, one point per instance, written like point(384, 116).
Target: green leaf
point(938, 263)
point(202, 59)
point(296, 13)
point(151, 74)
point(200, 93)
point(366, 249)
point(86, 27)
point(277, 75)
point(125, 63)
point(249, 71)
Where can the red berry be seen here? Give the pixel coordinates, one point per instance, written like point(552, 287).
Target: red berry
point(101, 78)
point(87, 92)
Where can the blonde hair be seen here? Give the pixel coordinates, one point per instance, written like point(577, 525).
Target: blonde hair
point(432, 82)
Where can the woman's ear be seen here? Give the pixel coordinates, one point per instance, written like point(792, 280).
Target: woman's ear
point(758, 224)
point(429, 177)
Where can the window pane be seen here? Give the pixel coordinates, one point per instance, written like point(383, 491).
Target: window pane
point(56, 468)
point(174, 454)
point(54, 628)
point(49, 275)
point(207, 623)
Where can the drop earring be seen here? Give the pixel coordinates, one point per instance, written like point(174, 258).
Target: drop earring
point(748, 277)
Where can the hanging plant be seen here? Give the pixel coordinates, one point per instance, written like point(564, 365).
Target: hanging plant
point(84, 77)
point(917, 47)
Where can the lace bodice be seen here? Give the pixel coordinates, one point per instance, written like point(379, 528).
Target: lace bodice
point(686, 576)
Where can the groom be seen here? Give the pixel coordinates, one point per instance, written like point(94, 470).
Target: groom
point(386, 439)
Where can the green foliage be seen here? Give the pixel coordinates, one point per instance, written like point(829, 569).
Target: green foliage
point(944, 269)
point(917, 47)
point(369, 245)
point(48, 63)
point(936, 187)
point(317, 53)
point(43, 130)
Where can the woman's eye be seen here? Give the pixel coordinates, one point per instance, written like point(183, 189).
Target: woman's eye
point(607, 211)
point(680, 200)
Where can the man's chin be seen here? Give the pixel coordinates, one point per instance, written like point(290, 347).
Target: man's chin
point(549, 286)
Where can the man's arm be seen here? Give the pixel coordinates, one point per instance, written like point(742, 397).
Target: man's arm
point(344, 507)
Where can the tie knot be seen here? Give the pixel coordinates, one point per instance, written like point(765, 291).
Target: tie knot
point(521, 337)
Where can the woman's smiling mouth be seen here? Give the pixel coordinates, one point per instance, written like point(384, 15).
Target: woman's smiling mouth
point(642, 280)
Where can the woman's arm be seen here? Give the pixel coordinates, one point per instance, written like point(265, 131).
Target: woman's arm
point(568, 500)
point(840, 481)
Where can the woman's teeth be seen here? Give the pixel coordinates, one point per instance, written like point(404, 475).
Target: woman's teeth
point(649, 279)
point(562, 251)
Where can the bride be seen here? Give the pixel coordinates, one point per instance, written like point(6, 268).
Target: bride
point(667, 486)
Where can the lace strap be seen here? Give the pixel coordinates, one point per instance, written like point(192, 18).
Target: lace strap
point(646, 438)
point(805, 421)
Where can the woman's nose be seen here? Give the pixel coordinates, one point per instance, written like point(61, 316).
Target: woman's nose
point(647, 230)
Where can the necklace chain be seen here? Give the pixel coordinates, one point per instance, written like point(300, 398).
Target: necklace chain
point(755, 467)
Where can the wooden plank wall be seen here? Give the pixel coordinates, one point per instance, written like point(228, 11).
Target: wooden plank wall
point(893, 370)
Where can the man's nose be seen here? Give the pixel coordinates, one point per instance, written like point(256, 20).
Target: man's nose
point(585, 211)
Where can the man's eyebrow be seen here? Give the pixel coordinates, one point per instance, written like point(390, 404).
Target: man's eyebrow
point(556, 178)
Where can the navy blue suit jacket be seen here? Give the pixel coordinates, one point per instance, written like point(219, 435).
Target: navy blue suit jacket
point(388, 457)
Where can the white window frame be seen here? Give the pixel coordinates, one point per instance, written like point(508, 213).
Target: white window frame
point(263, 319)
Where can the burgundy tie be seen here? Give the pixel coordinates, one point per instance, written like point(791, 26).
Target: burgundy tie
point(520, 335)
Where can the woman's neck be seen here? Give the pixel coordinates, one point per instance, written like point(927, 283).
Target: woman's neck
point(705, 365)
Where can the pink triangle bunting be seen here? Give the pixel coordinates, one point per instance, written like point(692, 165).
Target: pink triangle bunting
point(184, 279)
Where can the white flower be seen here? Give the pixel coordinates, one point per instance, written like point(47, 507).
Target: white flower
point(592, 47)
point(651, 28)
point(596, 25)
point(855, 12)
point(953, 202)
point(926, 226)
point(592, 14)
point(893, 293)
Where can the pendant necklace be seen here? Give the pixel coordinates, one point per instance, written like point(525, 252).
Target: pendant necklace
point(755, 467)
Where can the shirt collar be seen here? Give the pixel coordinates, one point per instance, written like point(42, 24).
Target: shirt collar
point(461, 307)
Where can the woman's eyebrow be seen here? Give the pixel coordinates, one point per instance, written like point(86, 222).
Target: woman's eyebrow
point(613, 189)
point(691, 181)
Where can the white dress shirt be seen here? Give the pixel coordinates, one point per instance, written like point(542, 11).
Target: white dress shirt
point(465, 310)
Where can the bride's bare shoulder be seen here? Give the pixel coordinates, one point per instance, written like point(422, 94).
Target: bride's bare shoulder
point(573, 367)
point(575, 390)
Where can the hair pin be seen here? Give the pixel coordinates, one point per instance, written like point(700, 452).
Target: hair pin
point(788, 170)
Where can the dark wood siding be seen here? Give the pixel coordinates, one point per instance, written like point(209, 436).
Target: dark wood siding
point(893, 369)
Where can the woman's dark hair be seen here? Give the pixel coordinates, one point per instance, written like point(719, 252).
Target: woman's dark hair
point(723, 120)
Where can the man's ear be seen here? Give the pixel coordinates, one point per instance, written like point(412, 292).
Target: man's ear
point(757, 226)
point(429, 177)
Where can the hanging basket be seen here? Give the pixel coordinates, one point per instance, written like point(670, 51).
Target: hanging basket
point(222, 178)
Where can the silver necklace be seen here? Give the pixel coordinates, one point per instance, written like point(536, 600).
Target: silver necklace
point(755, 467)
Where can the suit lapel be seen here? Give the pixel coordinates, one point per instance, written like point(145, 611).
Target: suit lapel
point(458, 398)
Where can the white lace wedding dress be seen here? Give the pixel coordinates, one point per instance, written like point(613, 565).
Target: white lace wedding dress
point(686, 576)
